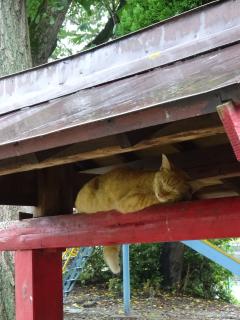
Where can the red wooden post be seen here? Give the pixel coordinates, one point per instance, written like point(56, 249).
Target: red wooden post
point(230, 116)
point(38, 280)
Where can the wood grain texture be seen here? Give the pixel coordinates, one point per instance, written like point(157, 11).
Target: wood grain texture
point(38, 285)
point(156, 46)
point(212, 162)
point(209, 165)
point(230, 116)
point(55, 191)
point(203, 219)
point(125, 96)
point(99, 148)
point(113, 108)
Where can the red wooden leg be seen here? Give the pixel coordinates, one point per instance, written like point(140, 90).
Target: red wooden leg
point(230, 116)
point(38, 279)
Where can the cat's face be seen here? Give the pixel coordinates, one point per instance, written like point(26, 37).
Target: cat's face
point(171, 185)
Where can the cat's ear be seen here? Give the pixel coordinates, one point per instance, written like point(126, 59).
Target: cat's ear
point(165, 163)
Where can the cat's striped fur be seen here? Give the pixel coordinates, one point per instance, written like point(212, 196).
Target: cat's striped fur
point(127, 190)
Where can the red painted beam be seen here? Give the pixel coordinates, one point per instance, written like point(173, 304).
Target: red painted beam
point(38, 282)
point(211, 218)
point(230, 116)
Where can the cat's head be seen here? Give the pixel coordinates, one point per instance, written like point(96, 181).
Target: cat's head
point(170, 184)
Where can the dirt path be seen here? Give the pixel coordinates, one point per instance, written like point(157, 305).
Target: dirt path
point(91, 304)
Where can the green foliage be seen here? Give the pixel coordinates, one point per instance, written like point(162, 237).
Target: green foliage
point(201, 277)
point(83, 22)
point(35, 8)
point(145, 266)
point(145, 269)
point(95, 270)
point(138, 14)
point(204, 278)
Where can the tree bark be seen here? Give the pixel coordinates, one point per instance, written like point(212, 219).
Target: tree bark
point(44, 29)
point(14, 56)
point(14, 39)
point(7, 271)
point(171, 261)
point(7, 297)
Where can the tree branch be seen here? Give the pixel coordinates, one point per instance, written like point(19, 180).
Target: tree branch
point(44, 30)
point(107, 31)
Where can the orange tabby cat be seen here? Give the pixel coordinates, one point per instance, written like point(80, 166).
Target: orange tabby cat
point(127, 190)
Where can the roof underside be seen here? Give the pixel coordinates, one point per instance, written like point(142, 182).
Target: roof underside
point(126, 102)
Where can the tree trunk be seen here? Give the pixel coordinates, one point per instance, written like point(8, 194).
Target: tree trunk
point(14, 40)
point(14, 56)
point(44, 29)
point(171, 261)
point(7, 271)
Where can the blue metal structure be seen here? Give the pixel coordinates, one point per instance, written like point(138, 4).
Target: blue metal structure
point(216, 254)
point(126, 278)
point(76, 266)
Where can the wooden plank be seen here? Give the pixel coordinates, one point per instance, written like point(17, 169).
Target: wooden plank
point(55, 191)
point(113, 108)
point(115, 99)
point(216, 191)
point(107, 147)
point(38, 285)
point(38, 273)
point(212, 161)
point(230, 116)
point(202, 219)
point(208, 165)
point(157, 45)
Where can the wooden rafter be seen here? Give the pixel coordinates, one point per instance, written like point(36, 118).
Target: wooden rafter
point(210, 166)
point(108, 147)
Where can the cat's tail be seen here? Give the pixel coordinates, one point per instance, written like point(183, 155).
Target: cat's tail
point(111, 257)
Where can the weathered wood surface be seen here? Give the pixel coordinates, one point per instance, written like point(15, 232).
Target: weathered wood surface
point(106, 127)
point(214, 218)
point(55, 191)
point(99, 148)
point(182, 80)
point(155, 95)
point(212, 27)
point(230, 116)
point(38, 283)
point(209, 165)
point(38, 273)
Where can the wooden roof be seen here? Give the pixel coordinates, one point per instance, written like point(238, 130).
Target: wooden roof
point(126, 102)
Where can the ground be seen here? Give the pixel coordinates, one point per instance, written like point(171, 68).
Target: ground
point(92, 303)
